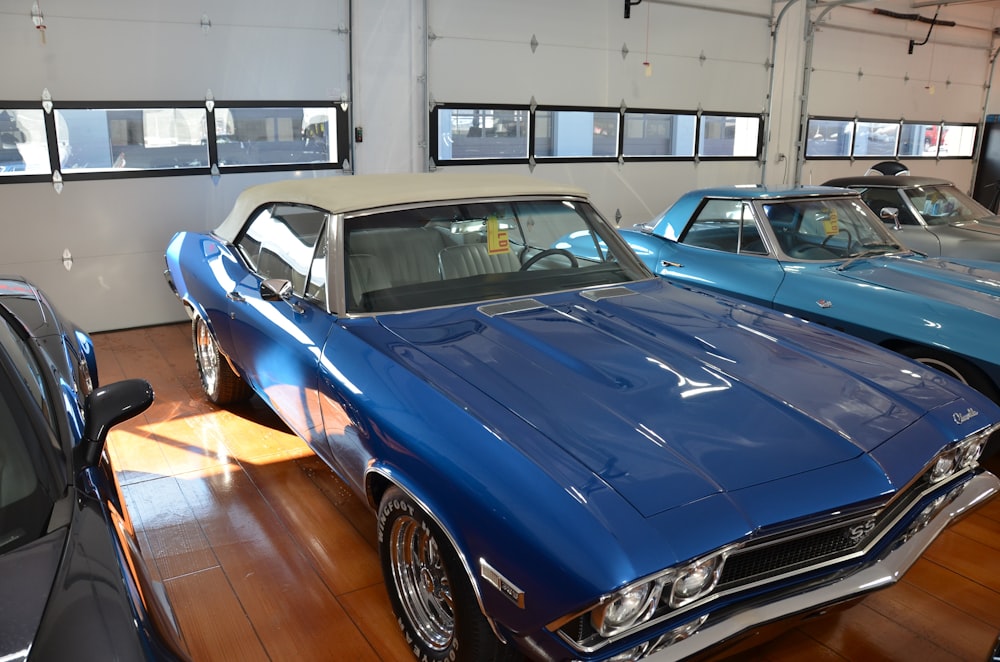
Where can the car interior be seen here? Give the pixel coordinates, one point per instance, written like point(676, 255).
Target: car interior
point(410, 258)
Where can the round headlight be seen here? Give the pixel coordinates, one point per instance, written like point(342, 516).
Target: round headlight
point(695, 580)
point(624, 609)
point(943, 467)
point(970, 452)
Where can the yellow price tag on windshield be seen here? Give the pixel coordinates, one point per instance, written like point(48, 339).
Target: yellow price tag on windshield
point(496, 239)
point(830, 226)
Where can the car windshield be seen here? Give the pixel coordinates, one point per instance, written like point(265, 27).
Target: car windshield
point(827, 228)
point(458, 253)
point(943, 204)
point(25, 504)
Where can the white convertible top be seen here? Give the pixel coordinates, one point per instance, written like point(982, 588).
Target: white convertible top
point(348, 193)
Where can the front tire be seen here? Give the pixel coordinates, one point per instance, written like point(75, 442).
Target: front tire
point(220, 383)
point(955, 367)
point(434, 604)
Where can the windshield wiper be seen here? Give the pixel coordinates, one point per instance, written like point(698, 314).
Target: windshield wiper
point(870, 250)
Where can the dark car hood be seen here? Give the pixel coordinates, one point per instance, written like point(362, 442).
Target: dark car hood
point(688, 390)
point(966, 284)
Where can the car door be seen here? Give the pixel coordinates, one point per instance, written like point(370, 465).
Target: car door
point(277, 338)
point(722, 248)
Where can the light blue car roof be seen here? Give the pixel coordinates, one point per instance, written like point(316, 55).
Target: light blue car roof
point(687, 203)
point(757, 192)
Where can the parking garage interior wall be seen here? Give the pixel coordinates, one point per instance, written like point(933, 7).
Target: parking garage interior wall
point(97, 247)
point(392, 61)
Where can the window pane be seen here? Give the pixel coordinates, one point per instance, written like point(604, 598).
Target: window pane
point(475, 133)
point(958, 140)
point(131, 139)
point(728, 136)
point(23, 146)
point(876, 139)
point(280, 242)
point(919, 139)
point(658, 134)
point(829, 137)
point(574, 133)
point(271, 136)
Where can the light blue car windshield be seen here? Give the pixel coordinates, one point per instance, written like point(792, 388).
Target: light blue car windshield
point(824, 229)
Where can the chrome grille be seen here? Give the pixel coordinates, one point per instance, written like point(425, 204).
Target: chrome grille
point(813, 546)
point(761, 562)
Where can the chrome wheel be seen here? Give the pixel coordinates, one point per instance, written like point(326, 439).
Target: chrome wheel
point(422, 583)
point(944, 367)
point(221, 384)
point(207, 356)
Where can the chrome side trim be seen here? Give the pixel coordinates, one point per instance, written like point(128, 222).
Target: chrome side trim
point(501, 583)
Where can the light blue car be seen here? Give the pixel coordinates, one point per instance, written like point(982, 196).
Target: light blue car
point(821, 254)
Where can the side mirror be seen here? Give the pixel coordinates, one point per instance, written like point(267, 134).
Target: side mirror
point(890, 214)
point(275, 289)
point(279, 289)
point(107, 407)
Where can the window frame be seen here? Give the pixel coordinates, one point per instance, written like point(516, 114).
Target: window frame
point(897, 154)
point(339, 133)
point(619, 156)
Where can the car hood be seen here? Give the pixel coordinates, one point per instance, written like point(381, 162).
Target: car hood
point(965, 284)
point(989, 225)
point(686, 389)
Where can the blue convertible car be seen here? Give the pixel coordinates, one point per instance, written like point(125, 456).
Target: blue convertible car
point(569, 458)
point(820, 253)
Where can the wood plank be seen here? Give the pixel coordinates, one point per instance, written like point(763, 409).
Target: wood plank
point(369, 608)
point(212, 619)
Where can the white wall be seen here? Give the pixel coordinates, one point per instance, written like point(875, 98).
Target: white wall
point(713, 55)
point(114, 50)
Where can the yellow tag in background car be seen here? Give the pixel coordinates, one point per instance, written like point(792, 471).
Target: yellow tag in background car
point(830, 224)
point(496, 239)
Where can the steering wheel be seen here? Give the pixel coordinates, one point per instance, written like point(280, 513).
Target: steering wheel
point(850, 239)
point(549, 252)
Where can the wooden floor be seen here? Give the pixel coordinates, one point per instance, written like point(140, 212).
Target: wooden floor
point(267, 556)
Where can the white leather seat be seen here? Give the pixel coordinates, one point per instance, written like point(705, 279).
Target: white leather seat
point(475, 260)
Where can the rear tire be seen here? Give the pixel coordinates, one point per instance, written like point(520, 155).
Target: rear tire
point(220, 383)
point(435, 606)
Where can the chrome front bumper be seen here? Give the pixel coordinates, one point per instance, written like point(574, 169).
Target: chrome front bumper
point(880, 573)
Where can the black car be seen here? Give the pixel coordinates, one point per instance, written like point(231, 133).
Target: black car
point(73, 583)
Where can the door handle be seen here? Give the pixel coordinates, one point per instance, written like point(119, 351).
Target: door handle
point(235, 296)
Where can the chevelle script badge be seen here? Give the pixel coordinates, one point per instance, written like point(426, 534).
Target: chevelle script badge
point(961, 417)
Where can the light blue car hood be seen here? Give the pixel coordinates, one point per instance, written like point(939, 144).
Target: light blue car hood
point(673, 398)
point(966, 284)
